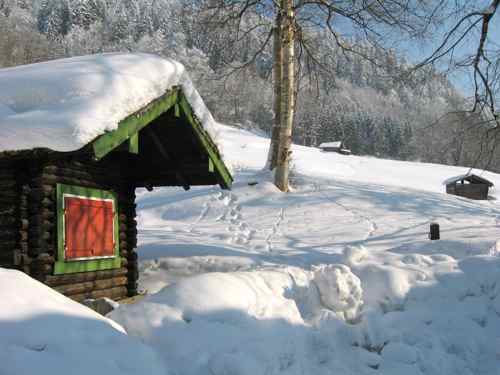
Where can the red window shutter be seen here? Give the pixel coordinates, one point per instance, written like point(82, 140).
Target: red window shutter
point(88, 227)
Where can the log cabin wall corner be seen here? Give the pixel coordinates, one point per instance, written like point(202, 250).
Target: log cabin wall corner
point(35, 228)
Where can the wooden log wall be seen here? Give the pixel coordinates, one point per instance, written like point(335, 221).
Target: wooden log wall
point(128, 237)
point(10, 231)
point(28, 226)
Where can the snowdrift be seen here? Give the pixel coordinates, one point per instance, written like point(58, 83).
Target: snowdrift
point(291, 321)
point(244, 322)
point(43, 332)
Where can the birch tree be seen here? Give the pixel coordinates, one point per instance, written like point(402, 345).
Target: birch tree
point(290, 22)
point(280, 148)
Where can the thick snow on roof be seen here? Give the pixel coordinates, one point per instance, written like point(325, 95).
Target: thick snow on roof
point(465, 177)
point(453, 179)
point(337, 144)
point(64, 104)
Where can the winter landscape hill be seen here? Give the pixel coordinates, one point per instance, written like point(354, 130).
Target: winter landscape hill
point(337, 276)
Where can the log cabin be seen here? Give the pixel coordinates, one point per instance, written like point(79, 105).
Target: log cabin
point(469, 186)
point(67, 184)
point(337, 146)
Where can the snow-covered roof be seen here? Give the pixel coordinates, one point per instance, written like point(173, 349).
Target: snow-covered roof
point(64, 104)
point(467, 177)
point(337, 144)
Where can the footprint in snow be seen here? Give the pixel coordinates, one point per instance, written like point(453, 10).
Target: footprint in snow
point(240, 231)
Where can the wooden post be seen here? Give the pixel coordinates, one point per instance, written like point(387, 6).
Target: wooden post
point(434, 232)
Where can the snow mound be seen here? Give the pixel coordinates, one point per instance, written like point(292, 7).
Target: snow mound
point(340, 290)
point(64, 104)
point(242, 322)
point(43, 332)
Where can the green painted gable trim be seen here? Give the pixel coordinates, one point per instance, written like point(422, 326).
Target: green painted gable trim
point(226, 179)
point(211, 167)
point(63, 266)
point(133, 144)
point(129, 127)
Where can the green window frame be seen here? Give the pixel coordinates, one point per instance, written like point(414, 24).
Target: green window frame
point(63, 266)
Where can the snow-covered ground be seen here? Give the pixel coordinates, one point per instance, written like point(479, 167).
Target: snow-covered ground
point(336, 277)
point(43, 332)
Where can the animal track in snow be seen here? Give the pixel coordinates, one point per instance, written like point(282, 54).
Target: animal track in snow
point(203, 214)
point(241, 233)
point(275, 230)
point(373, 227)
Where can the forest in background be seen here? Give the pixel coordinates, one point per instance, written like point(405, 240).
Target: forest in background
point(377, 110)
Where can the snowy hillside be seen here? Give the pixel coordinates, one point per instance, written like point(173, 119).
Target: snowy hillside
point(336, 277)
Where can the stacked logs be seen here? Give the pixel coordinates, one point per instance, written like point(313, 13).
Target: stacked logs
point(128, 237)
point(28, 226)
point(10, 231)
point(42, 224)
point(96, 284)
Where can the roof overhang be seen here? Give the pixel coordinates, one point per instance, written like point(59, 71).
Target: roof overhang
point(128, 130)
point(472, 178)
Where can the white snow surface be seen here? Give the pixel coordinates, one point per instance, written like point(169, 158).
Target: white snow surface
point(43, 332)
point(64, 104)
point(336, 277)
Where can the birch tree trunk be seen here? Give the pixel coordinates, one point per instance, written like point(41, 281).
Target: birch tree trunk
point(287, 102)
point(277, 78)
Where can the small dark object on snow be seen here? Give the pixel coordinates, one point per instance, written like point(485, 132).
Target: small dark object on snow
point(434, 232)
point(252, 183)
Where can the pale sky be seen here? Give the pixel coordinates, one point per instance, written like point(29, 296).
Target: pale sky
point(417, 51)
